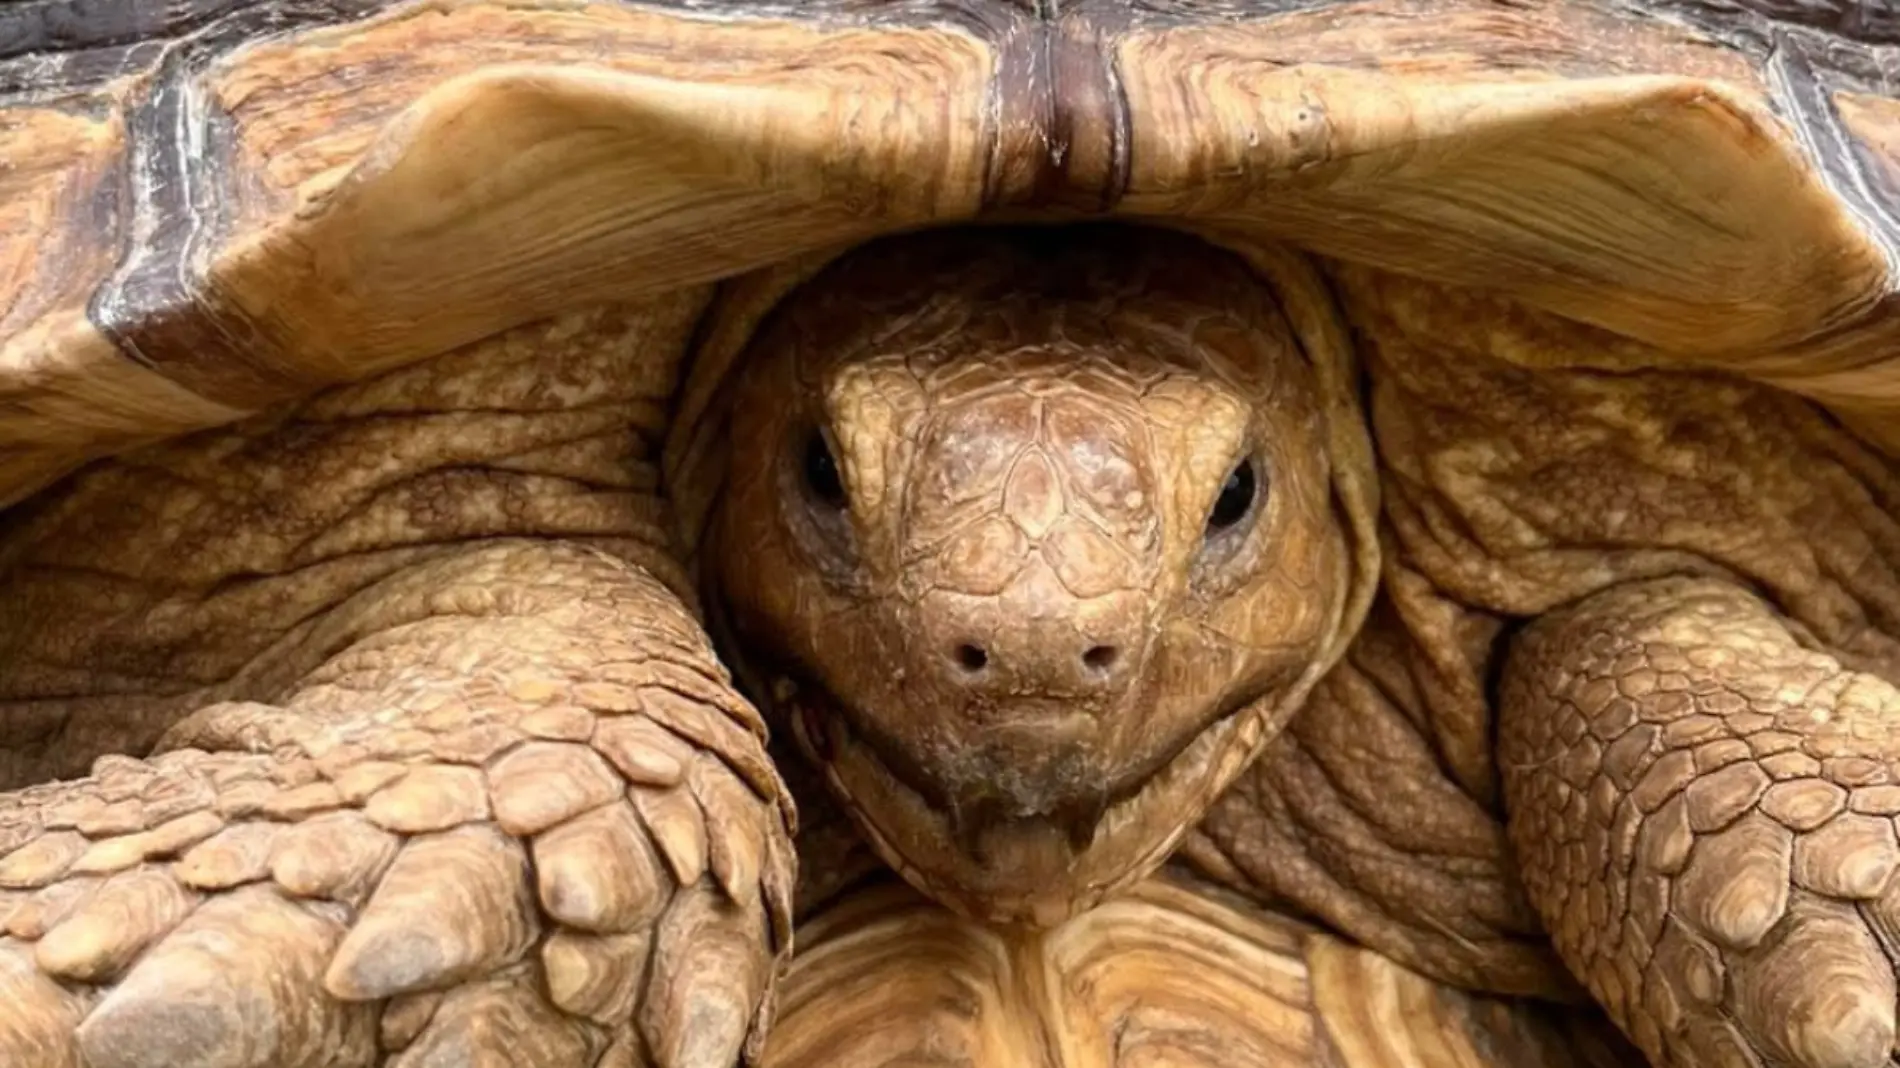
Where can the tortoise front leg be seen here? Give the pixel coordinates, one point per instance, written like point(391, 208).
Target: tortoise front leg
point(516, 815)
point(1704, 809)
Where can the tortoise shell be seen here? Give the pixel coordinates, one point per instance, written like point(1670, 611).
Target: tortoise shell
point(211, 207)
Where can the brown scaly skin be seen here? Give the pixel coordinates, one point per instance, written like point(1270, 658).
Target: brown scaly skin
point(1704, 805)
point(1350, 816)
point(433, 723)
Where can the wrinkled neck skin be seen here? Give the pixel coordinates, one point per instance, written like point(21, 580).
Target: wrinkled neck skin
point(1032, 534)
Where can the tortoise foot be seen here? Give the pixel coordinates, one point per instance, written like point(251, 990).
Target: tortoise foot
point(143, 926)
point(537, 832)
point(1705, 808)
point(250, 931)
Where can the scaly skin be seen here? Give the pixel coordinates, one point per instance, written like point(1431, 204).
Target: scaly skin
point(1704, 806)
point(434, 725)
point(1348, 815)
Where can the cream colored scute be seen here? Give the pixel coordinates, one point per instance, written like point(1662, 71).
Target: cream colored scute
point(393, 189)
point(655, 152)
point(1671, 211)
point(1171, 974)
point(582, 187)
point(1629, 175)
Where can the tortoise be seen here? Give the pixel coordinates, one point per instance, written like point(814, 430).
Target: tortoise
point(1132, 532)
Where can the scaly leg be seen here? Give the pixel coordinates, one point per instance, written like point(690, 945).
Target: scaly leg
point(1704, 808)
point(517, 815)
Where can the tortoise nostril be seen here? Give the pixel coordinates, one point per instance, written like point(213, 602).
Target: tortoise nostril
point(972, 658)
point(1101, 659)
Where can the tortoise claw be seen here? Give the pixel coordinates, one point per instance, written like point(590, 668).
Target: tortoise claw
point(597, 872)
point(101, 937)
point(500, 1023)
point(37, 1027)
point(229, 988)
point(452, 907)
point(711, 966)
point(1821, 994)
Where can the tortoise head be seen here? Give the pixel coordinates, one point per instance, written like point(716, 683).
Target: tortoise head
point(1037, 523)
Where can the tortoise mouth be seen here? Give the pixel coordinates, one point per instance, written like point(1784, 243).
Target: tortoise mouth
point(991, 864)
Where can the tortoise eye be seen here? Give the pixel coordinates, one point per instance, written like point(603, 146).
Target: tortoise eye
point(1235, 500)
point(821, 472)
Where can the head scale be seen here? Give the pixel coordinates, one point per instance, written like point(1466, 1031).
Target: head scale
point(1040, 523)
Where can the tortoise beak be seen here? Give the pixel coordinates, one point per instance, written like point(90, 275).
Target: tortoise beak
point(1033, 859)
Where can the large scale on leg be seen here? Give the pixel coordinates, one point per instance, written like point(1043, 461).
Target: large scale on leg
point(357, 705)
